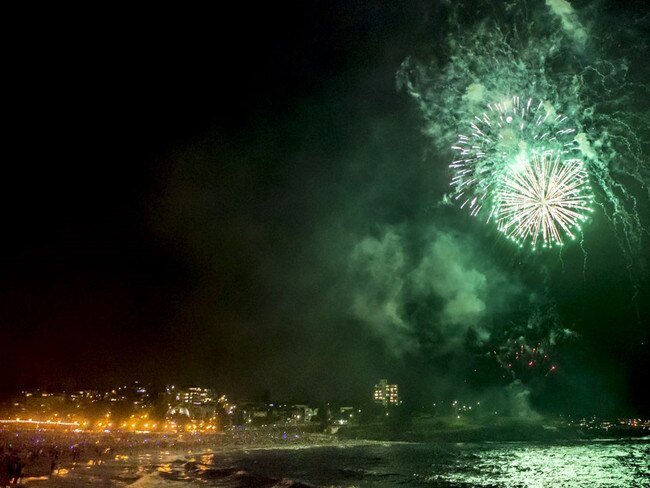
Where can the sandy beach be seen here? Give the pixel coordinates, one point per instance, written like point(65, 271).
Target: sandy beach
point(121, 459)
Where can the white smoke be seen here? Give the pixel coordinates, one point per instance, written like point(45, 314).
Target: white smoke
point(569, 18)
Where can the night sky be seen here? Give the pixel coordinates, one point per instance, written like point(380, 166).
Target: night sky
point(243, 199)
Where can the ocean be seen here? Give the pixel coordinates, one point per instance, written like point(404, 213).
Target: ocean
point(593, 463)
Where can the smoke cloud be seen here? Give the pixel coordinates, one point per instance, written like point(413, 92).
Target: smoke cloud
point(414, 298)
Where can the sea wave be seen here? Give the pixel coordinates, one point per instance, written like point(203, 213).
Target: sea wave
point(230, 477)
point(156, 480)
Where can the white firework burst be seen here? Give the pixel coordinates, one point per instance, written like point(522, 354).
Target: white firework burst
point(544, 199)
point(502, 137)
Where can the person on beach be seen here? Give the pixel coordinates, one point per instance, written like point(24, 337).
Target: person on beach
point(53, 465)
point(19, 465)
point(4, 469)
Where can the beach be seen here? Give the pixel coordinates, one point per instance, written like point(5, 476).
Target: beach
point(59, 458)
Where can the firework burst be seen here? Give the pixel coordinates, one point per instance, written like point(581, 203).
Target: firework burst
point(526, 362)
point(519, 166)
point(544, 199)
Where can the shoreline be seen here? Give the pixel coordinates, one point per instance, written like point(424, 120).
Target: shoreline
point(126, 459)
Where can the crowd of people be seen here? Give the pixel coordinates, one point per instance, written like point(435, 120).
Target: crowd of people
point(39, 453)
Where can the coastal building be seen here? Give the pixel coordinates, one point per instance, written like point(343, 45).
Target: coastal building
point(386, 394)
point(195, 396)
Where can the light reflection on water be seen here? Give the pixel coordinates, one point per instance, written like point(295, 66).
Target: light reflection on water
point(531, 465)
point(593, 465)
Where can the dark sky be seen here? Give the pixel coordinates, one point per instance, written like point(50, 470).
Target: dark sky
point(242, 198)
